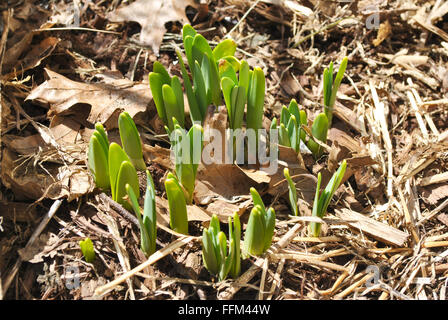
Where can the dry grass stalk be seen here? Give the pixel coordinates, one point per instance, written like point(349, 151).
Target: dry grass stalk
point(437, 178)
point(152, 259)
point(354, 286)
point(418, 116)
point(177, 280)
point(427, 116)
point(252, 271)
point(120, 249)
point(263, 278)
point(377, 230)
point(309, 260)
point(277, 279)
point(380, 117)
point(45, 220)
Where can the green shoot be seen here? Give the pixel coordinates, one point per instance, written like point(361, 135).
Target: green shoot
point(147, 222)
point(292, 192)
point(260, 227)
point(215, 256)
point(130, 139)
point(87, 250)
point(168, 96)
point(290, 132)
point(187, 148)
point(121, 172)
point(319, 130)
point(322, 200)
point(177, 204)
point(331, 87)
point(98, 157)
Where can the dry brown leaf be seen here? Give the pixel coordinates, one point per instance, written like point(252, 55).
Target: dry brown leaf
point(74, 182)
point(433, 193)
point(30, 179)
point(26, 183)
point(152, 16)
point(24, 145)
point(224, 209)
point(158, 155)
point(105, 100)
point(224, 181)
point(18, 211)
point(257, 175)
point(43, 246)
point(33, 58)
point(384, 32)
point(443, 217)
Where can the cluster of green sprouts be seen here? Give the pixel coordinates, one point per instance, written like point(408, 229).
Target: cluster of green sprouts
point(292, 119)
point(215, 77)
point(116, 168)
point(215, 74)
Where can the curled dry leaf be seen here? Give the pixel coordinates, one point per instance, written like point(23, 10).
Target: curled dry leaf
point(34, 57)
point(384, 32)
point(104, 100)
point(38, 175)
point(433, 193)
point(152, 16)
point(224, 209)
point(159, 155)
point(223, 181)
point(44, 246)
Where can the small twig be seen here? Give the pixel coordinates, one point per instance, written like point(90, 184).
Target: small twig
point(121, 251)
point(276, 280)
point(76, 29)
point(242, 18)
point(329, 26)
point(178, 280)
point(6, 18)
point(117, 207)
point(135, 65)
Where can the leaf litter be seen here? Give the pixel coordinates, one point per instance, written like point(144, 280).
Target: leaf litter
point(390, 125)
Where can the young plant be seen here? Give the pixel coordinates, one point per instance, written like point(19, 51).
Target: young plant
point(322, 200)
point(177, 204)
point(235, 90)
point(168, 96)
point(217, 259)
point(130, 139)
point(255, 99)
point(187, 147)
point(98, 157)
point(147, 221)
point(260, 227)
point(87, 250)
point(319, 130)
point(331, 86)
point(291, 120)
point(204, 88)
point(292, 192)
point(121, 172)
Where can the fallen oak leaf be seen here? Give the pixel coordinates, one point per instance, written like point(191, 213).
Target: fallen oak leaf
point(105, 100)
point(152, 16)
point(224, 181)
